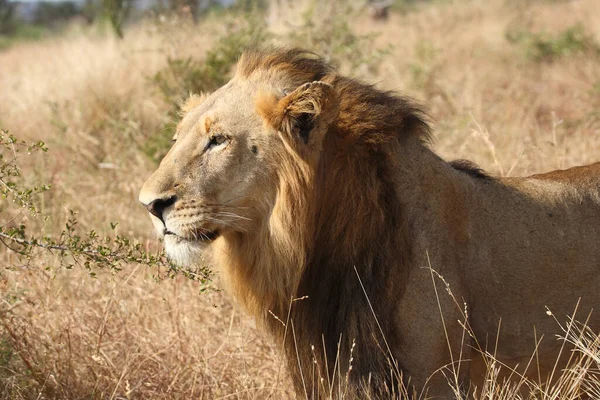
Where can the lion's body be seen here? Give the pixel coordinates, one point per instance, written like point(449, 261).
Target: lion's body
point(514, 248)
point(536, 245)
point(351, 218)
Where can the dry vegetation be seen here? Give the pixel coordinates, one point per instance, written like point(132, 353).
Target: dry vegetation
point(511, 85)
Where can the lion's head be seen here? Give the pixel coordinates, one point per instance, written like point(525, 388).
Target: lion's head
point(246, 174)
point(220, 178)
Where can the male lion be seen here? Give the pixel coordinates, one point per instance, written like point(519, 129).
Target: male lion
point(327, 214)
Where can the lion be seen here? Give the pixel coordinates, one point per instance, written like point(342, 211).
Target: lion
point(334, 224)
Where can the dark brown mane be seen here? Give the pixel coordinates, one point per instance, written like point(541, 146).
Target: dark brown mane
point(366, 113)
point(376, 116)
point(358, 239)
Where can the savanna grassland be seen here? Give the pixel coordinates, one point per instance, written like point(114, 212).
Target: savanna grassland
point(511, 85)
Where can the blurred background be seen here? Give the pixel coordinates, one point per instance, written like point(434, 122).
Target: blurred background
point(88, 306)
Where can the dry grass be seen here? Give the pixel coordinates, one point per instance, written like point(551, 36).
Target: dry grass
point(89, 96)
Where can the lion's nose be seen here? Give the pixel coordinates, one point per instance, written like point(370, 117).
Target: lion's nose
point(158, 206)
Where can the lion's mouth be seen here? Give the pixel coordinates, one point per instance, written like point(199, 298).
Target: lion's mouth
point(199, 236)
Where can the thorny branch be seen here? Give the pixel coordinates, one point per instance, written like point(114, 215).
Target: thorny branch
point(88, 250)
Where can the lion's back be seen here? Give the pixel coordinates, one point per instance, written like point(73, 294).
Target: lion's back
point(587, 174)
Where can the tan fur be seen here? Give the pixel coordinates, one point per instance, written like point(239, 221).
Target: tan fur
point(330, 210)
point(193, 101)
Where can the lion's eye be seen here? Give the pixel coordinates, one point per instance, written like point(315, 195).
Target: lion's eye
point(217, 140)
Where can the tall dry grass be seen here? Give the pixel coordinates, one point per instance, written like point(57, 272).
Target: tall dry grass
point(92, 99)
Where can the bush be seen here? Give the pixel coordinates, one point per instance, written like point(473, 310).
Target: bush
point(422, 67)
point(7, 17)
point(23, 32)
point(183, 76)
point(332, 37)
point(74, 248)
point(545, 47)
point(52, 14)
point(116, 11)
point(405, 6)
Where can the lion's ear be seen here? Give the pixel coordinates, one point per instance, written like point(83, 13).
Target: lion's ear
point(304, 114)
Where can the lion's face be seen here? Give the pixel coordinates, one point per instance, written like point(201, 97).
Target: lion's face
point(213, 180)
point(220, 177)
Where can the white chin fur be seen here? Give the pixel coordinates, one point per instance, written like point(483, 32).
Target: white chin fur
point(184, 253)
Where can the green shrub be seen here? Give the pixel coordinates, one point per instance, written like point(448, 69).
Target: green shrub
point(404, 6)
point(116, 11)
point(422, 66)
point(250, 6)
point(7, 17)
point(52, 14)
point(546, 47)
point(23, 32)
point(333, 38)
point(183, 76)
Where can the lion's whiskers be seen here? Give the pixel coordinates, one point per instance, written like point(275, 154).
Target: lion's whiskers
point(230, 223)
point(229, 214)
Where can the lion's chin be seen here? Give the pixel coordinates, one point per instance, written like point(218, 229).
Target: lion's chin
point(185, 252)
